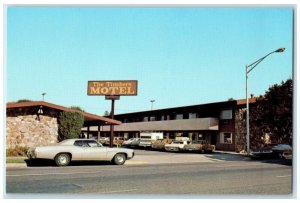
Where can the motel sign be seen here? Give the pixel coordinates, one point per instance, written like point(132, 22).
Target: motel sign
point(120, 87)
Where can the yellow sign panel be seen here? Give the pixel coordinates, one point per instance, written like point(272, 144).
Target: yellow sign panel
point(120, 87)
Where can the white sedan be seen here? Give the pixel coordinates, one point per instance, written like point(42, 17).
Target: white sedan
point(80, 150)
point(176, 145)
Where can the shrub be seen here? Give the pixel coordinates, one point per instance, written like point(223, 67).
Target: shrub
point(17, 151)
point(70, 124)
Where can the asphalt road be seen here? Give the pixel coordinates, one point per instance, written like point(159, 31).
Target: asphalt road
point(229, 177)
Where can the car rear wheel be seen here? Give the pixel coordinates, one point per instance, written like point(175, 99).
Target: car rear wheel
point(62, 159)
point(119, 159)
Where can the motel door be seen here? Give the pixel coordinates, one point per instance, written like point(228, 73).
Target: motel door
point(213, 138)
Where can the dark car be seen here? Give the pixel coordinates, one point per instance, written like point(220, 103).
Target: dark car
point(273, 151)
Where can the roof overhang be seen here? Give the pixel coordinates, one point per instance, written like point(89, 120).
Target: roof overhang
point(89, 119)
point(169, 125)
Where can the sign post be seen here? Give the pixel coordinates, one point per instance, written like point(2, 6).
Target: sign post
point(112, 91)
point(112, 112)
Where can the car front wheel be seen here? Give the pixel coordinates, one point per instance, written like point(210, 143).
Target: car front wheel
point(62, 159)
point(119, 159)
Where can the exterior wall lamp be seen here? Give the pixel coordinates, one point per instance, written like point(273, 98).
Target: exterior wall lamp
point(40, 112)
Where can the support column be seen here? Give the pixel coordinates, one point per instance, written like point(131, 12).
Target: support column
point(98, 133)
point(111, 144)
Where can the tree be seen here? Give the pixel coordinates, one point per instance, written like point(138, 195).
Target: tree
point(106, 113)
point(77, 108)
point(272, 114)
point(70, 124)
point(23, 100)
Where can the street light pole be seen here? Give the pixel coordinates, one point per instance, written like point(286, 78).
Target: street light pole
point(43, 95)
point(152, 104)
point(247, 114)
point(252, 66)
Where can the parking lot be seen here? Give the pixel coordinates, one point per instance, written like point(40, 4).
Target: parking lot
point(143, 156)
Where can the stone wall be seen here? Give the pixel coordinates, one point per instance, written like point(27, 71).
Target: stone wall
point(240, 129)
point(30, 130)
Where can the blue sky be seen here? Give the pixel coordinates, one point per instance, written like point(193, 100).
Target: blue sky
point(180, 56)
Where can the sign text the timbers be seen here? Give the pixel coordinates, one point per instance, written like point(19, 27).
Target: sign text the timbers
point(120, 87)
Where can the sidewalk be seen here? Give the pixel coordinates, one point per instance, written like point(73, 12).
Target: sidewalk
point(167, 158)
point(16, 165)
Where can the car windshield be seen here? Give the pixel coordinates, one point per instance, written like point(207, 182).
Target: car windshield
point(197, 142)
point(177, 142)
point(282, 147)
point(146, 137)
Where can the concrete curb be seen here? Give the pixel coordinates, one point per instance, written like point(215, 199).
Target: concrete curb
point(233, 153)
point(15, 165)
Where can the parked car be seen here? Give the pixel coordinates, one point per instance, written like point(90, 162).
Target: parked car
point(147, 138)
point(80, 150)
point(176, 145)
point(132, 142)
point(104, 140)
point(199, 146)
point(279, 151)
point(118, 141)
point(160, 144)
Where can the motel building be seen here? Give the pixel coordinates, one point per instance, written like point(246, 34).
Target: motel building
point(217, 123)
point(35, 123)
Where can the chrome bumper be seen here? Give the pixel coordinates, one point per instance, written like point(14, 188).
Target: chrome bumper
point(31, 154)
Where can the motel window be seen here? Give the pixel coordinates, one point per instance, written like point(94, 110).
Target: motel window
point(152, 118)
point(167, 117)
point(226, 114)
point(192, 115)
point(179, 116)
point(178, 134)
point(225, 138)
point(126, 136)
point(145, 119)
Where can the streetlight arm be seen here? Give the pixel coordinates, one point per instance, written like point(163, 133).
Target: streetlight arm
point(262, 58)
point(258, 62)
